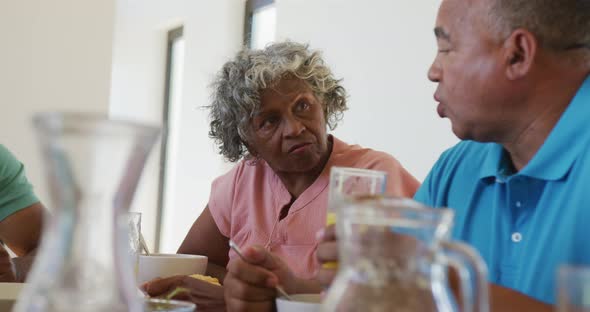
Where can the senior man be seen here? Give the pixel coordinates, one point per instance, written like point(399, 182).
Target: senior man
point(513, 78)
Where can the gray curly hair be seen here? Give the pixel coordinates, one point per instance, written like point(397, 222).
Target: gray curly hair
point(237, 88)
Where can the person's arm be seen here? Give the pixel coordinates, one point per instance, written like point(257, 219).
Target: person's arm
point(21, 232)
point(399, 181)
point(7, 274)
point(204, 238)
point(506, 299)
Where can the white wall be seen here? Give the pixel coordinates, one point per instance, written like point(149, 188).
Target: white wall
point(382, 49)
point(213, 33)
point(54, 55)
point(57, 55)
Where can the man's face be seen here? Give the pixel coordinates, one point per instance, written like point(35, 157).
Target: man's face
point(472, 90)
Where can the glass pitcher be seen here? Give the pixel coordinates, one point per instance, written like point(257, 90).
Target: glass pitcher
point(394, 256)
point(93, 166)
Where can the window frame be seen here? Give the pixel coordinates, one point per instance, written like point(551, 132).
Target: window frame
point(251, 7)
point(172, 36)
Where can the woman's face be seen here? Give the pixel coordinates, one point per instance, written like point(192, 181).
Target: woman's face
point(289, 131)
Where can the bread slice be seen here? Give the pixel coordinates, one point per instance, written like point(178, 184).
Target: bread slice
point(206, 278)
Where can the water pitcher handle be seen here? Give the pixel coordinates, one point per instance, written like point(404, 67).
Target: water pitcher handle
point(472, 273)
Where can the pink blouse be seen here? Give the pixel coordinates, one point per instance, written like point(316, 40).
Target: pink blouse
point(245, 204)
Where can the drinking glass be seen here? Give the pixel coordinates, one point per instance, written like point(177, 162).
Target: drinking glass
point(133, 220)
point(347, 182)
point(573, 289)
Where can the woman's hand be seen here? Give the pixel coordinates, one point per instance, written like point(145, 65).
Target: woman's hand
point(7, 273)
point(250, 284)
point(207, 296)
point(327, 253)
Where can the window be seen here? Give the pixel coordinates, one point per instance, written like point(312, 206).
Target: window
point(260, 25)
point(170, 122)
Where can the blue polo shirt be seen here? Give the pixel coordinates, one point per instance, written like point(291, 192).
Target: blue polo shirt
point(525, 225)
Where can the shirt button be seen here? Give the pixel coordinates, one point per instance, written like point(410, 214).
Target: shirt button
point(516, 237)
point(518, 204)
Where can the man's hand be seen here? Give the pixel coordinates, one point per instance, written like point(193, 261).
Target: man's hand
point(207, 296)
point(250, 285)
point(7, 273)
point(327, 252)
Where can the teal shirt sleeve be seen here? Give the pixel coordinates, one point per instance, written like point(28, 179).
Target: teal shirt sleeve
point(16, 193)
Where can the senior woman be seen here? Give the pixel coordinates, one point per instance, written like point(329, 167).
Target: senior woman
point(271, 109)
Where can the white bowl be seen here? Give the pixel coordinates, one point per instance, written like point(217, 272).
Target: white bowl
point(166, 265)
point(163, 305)
point(8, 294)
point(300, 303)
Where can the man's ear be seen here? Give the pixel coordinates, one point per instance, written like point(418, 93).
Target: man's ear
point(520, 51)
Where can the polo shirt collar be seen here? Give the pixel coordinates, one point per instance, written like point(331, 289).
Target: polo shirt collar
point(492, 165)
point(559, 151)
